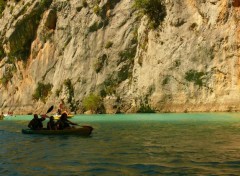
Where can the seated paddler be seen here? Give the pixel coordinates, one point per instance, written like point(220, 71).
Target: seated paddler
point(36, 123)
point(51, 125)
point(64, 123)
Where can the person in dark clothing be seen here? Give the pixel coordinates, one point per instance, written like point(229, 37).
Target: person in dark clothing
point(36, 123)
point(1, 116)
point(59, 112)
point(64, 123)
point(51, 125)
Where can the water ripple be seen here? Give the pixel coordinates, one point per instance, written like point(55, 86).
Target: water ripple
point(168, 146)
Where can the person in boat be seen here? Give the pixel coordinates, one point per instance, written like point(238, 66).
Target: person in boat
point(59, 112)
point(1, 116)
point(61, 107)
point(36, 123)
point(64, 123)
point(51, 125)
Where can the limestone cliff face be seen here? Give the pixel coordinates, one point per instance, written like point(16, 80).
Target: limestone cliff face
point(72, 48)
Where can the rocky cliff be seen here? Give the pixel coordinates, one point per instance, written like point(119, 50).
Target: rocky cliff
point(131, 60)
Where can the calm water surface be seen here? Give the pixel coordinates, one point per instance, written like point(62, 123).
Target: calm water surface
point(137, 144)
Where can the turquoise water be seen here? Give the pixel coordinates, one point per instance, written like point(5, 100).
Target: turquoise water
point(135, 144)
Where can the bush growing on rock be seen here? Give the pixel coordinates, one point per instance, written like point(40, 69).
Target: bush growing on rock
point(195, 76)
point(98, 65)
point(69, 86)
point(2, 6)
point(42, 91)
point(84, 3)
point(93, 103)
point(154, 9)
point(108, 45)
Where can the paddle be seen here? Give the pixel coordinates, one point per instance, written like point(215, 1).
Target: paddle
point(50, 109)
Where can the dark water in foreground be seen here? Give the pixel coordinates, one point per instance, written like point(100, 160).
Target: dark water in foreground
point(139, 144)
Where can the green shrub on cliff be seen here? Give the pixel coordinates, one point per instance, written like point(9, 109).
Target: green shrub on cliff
point(109, 44)
point(195, 76)
point(45, 3)
point(6, 78)
point(84, 3)
point(8, 75)
point(2, 6)
point(69, 86)
point(1, 54)
point(97, 9)
point(42, 91)
point(127, 54)
point(93, 103)
point(145, 109)
point(99, 64)
point(95, 26)
point(154, 9)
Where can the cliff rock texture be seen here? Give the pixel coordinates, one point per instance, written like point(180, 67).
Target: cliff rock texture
point(186, 59)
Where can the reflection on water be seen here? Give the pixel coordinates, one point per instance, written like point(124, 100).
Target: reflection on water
point(159, 144)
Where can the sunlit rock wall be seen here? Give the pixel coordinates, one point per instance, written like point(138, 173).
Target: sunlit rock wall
point(189, 62)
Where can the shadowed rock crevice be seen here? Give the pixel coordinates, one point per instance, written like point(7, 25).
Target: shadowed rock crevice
point(24, 32)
